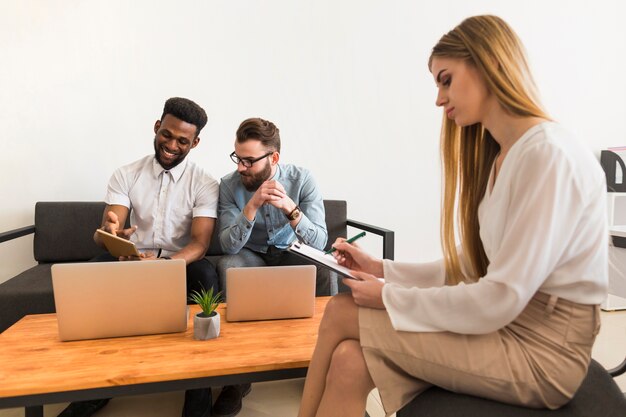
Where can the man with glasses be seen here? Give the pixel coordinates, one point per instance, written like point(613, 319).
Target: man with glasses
point(263, 207)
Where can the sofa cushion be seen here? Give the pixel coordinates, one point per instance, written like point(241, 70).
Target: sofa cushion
point(599, 395)
point(27, 293)
point(64, 231)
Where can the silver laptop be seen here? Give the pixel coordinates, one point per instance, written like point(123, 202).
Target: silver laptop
point(111, 299)
point(270, 292)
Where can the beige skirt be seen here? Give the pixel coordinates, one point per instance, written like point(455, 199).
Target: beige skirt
point(538, 360)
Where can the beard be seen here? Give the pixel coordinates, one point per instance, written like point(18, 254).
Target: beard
point(252, 182)
point(166, 163)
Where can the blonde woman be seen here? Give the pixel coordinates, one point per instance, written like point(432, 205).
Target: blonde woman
point(511, 313)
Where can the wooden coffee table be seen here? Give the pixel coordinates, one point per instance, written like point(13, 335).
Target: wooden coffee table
point(36, 368)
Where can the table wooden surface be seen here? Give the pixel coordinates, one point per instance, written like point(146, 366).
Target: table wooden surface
point(33, 361)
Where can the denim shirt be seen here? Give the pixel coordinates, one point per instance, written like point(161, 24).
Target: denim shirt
point(270, 226)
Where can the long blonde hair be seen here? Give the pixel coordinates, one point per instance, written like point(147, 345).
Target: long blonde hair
point(468, 153)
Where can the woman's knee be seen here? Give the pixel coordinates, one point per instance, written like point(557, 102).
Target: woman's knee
point(338, 306)
point(340, 314)
point(348, 367)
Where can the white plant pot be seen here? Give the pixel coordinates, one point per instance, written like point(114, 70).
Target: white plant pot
point(205, 328)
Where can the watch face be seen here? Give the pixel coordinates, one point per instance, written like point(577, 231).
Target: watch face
point(294, 214)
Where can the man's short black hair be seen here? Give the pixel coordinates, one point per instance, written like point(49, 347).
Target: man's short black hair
point(187, 111)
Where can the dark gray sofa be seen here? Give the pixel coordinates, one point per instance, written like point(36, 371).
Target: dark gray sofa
point(598, 396)
point(64, 233)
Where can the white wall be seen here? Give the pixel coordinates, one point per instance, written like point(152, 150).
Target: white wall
point(82, 83)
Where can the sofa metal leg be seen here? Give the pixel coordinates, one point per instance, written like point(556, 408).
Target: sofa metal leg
point(618, 370)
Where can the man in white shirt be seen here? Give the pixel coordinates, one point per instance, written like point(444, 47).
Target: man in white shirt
point(172, 204)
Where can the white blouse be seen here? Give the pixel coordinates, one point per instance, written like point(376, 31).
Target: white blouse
point(543, 227)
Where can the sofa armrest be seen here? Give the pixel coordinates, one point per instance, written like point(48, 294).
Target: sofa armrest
point(388, 236)
point(15, 233)
point(618, 370)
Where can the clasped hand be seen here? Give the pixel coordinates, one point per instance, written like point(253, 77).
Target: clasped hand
point(272, 192)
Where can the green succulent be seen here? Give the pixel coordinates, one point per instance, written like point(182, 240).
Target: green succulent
point(207, 300)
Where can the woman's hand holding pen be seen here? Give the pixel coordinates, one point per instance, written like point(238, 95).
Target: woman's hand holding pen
point(367, 290)
point(353, 257)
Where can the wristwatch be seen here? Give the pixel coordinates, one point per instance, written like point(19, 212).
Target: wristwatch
point(293, 214)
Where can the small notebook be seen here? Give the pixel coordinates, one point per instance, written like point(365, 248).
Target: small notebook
point(270, 292)
point(116, 245)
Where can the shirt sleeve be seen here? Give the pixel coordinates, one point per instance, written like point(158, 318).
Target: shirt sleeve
point(544, 206)
point(234, 227)
point(118, 190)
point(424, 275)
point(311, 229)
point(206, 198)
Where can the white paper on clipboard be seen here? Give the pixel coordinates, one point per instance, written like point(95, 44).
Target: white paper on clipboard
point(320, 258)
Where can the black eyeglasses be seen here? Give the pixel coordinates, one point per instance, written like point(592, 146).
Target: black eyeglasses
point(247, 162)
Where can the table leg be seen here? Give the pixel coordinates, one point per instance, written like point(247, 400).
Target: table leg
point(33, 411)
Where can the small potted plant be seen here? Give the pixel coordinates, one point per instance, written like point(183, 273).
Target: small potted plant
point(206, 324)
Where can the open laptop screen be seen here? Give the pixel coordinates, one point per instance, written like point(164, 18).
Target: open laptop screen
point(111, 299)
point(270, 292)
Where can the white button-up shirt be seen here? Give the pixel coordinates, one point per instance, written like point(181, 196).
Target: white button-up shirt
point(163, 202)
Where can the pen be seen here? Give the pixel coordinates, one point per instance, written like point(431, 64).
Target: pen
point(352, 239)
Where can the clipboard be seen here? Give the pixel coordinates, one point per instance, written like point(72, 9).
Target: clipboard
point(116, 245)
point(319, 257)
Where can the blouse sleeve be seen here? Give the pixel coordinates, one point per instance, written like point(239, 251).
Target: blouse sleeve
point(544, 206)
point(422, 275)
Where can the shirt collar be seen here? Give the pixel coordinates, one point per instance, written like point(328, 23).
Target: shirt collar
point(276, 176)
point(175, 172)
